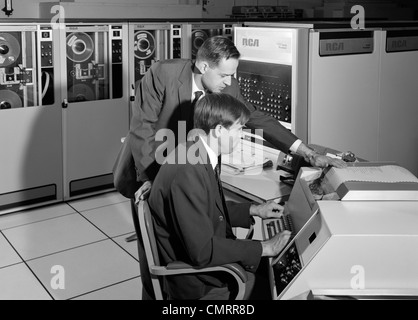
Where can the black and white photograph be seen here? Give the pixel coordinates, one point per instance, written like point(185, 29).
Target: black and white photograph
point(196, 151)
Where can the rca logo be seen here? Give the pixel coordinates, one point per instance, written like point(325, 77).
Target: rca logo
point(250, 42)
point(399, 44)
point(335, 46)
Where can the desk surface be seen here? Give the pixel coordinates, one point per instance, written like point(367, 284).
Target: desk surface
point(259, 188)
point(266, 186)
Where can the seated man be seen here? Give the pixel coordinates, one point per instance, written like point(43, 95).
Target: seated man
point(192, 221)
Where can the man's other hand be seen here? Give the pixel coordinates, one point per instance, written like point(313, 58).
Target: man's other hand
point(275, 245)
point(143, 192)
point(269, 209)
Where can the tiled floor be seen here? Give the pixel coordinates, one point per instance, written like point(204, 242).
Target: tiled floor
point(74, 250)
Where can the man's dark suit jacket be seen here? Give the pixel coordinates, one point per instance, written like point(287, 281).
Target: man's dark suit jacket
point(192, 226)
point(164, 97)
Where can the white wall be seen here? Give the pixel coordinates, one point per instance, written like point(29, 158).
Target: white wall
point(115, 9)
point(223, 8)
point(315, 8)
point(23, 9)
point(148, 9)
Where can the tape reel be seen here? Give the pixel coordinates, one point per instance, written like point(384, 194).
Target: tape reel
point(9, 49)
point(81, 92)
point(144, 45)
point(9, 100)
point(198, 37)
point(80, 47)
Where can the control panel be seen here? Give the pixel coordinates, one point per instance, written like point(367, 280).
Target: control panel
point(268, 87)
point(46, 48)
point(286, 268)
point(117, 51)
point(176, 36)
point(287, 265)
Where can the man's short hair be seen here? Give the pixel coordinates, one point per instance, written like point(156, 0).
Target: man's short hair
point(217, 48)
point(219, 108)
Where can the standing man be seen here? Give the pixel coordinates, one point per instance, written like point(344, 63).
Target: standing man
point(164, 99)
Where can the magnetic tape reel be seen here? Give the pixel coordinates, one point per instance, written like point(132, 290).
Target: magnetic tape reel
point(198, 37)
point(80, 47)
point(9, 49)
point(9, 100)
point(144, 44)
point(81, 92)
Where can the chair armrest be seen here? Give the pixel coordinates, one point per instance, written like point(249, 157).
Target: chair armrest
point(178, 267)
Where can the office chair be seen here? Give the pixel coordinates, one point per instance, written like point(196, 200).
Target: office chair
point(158, 271)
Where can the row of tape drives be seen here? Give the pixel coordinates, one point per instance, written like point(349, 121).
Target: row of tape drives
point(86, 73)
point(26, 53)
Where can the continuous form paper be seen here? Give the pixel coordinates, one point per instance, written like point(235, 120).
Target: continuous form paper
point(385, 174)
point(246, 158)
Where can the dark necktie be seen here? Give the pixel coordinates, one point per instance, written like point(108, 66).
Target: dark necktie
point(197, 95)
point(190, 122)
point(229, 232)
point(218, 180)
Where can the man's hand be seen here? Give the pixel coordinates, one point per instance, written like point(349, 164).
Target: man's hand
point(319, 160)
point(275, 245)
point(269, 209)
point(143, 192)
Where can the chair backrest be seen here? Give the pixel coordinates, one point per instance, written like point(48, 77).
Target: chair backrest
point(150, 245)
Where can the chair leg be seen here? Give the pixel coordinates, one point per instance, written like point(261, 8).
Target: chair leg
point(133, 237)
point(147, 288)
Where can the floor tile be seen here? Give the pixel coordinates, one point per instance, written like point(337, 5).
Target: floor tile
point(130, 247)
point(54, 235)
point(128, 290)
point(8, 256)
point(97, 201)
point(19, 283)
point(85, 269)
point(34, 215)
point(113, 220)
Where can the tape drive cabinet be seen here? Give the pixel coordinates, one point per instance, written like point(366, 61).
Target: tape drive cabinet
point(30, 117)
point(95, 100)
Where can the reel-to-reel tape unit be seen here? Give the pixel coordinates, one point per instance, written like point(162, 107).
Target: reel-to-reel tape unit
point(151, 42)
point(86, 67)
point(146, 50)
point(13, 75)
point(10, 71)
point(201, 31)
point(94, 63)
point(26, 67)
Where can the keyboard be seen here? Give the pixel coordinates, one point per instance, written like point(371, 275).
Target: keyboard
point(274, 226)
